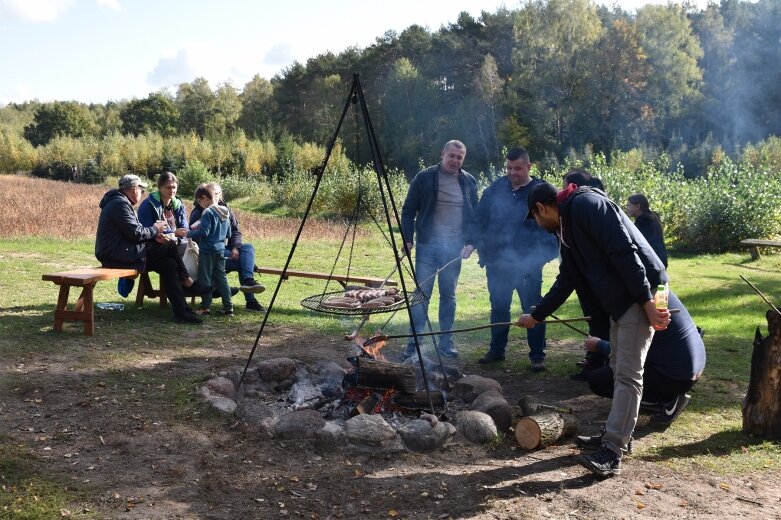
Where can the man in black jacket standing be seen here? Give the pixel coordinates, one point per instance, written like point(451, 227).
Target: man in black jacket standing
point(121, 241)
point(513, 252)
point(439, 213)
point(603, 254)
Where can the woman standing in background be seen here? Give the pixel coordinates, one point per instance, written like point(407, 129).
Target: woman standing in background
point(648, 223)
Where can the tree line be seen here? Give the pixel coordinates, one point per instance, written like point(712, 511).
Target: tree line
point(564, 78)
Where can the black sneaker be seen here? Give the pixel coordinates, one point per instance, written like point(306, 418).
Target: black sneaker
point(602, 462)
point(490, 357)
point(254, 305)
point(249, 285)
point(671, 410)
point(538, 365)
point(189, 318)
point(595, 441)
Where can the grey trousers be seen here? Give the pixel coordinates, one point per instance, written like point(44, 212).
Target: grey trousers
point(630, 339)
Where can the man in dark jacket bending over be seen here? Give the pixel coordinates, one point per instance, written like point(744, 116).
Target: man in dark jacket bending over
point(603, 253)
point(121, 242)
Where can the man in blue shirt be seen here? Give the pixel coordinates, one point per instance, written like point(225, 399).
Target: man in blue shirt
point(513, 252)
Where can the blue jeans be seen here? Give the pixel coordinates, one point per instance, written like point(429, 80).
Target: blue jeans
point(504, 279)
point(428, 259)
point(245, 266)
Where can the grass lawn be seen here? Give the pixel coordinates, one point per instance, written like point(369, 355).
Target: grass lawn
point(707, 436)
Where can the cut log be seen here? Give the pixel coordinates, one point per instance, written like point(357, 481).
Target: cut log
point(761, 407)
point(373, 373)
point(418, 400)
point(544, 429)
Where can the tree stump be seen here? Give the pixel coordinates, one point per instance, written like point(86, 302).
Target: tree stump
point(761, 410)
point(544, 429)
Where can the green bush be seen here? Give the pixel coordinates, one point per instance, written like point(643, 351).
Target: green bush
point(235, 187)
point(191, 175)
point(339, 192)
point(709, 214)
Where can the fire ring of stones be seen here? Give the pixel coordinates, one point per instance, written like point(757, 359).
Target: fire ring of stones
point(339, 407)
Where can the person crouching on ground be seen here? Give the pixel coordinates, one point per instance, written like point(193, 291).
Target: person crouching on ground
point(674, 363)
point(212, 232)
point(603, 253)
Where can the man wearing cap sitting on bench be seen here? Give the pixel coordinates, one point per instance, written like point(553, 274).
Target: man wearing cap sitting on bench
point(121, 241)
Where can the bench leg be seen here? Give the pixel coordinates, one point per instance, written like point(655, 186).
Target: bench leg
point(83, 310)
point(755, 253)
point(62, 305)
point(86, 300)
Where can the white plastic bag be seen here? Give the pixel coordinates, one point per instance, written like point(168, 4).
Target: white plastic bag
point(190, 258)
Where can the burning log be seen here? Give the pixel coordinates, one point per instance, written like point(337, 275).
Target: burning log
point(366, 406)
point(761, 410)
point(373, 373)
point(418, 400)
point(544, 429)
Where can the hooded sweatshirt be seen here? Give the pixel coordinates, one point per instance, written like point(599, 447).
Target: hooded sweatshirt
point(121, 239)
point(214, 230)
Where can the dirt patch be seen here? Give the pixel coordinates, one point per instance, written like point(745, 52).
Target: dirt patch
point(132, 438)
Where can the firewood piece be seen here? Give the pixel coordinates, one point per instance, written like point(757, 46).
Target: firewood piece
point(543, 429)
point(366, 406)
point(761, 410)
point(418, 400)
point(373, 373)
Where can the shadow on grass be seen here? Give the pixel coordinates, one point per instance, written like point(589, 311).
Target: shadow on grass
point(720, 444)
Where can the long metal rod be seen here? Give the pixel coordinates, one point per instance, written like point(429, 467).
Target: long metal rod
point(760, 293)
point(385, 191)
point(283, 275)
point(570, 326)
point(480, 327)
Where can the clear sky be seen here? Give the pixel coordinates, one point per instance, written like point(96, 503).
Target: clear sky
point(102, 50)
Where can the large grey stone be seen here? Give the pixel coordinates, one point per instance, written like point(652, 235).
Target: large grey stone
point(217, 401)
point(332, 435)
point(494, 404)
point(422, 436)
point(222, 386)
point(277, 369)
point(301, 424)
point(327, 372)
point(469, 387)
point(369, 430)
point(476, 426)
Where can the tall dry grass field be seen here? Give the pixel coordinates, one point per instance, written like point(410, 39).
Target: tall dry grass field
point(65, 210)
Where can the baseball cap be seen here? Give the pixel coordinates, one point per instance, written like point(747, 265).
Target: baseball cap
point(544, 193)
point(128, 181)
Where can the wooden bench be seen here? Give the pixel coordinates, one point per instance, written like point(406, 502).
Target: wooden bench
point(86, 278)
point(84, 308)
point(368, 281)
point(755, 244)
